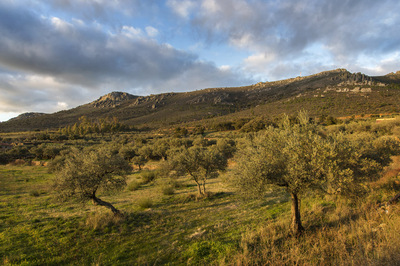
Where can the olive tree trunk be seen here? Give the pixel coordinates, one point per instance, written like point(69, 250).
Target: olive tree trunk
point(297, 228)
point(199, 189)
point(198, 186)
point(97, 201)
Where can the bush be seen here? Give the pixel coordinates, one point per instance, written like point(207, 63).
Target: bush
point(145, 203)
point(134, 185)
point(167, 189)
point(98, 221)
point(147, 177)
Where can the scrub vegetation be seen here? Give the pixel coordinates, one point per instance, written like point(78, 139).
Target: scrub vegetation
point(294, 190)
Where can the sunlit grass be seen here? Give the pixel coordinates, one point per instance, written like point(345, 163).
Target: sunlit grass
point(179, 228)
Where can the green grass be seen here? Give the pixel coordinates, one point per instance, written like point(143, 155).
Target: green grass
point(39, 229)
point(180, 229)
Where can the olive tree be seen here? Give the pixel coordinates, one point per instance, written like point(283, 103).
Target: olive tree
point(140, 161)
point(85, 172)
point(299, 158)
point(199, 163)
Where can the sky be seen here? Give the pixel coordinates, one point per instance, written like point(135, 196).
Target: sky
point(59, 54)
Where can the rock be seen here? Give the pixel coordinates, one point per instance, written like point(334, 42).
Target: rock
point(112, 99)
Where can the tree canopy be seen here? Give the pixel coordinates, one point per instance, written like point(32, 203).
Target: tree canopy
point(200, 163)
point(298, 157)
point(83, 173)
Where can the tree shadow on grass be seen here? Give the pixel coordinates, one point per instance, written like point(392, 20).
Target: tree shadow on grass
point(139, 219)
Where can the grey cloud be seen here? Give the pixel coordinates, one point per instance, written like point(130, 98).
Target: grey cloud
point(75, 62)
point(27, 93)
point(291, 25)
point(348, 29)
point(101, 10)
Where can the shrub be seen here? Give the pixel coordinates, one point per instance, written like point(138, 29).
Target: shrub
point(167, 189)
point(134, 185)
point(145, 203)
point(102, 220)
point(148, 176)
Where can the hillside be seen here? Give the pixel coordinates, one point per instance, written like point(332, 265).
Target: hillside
point(337, 93)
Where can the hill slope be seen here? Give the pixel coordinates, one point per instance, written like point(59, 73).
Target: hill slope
point(337, 92)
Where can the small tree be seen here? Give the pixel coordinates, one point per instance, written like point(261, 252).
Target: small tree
point(127, 152)
point(199, 163)
point(84, 172)
point(140, 161)
point(160, 148)
point(297, 158)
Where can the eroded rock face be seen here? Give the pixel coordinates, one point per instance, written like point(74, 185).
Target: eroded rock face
point(213, 97)
point(112, 99)
point(155, 100)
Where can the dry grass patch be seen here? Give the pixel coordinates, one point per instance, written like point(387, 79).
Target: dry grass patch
point(348, 236)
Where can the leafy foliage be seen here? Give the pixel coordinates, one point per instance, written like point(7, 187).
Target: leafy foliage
point(199, 163)
point(298, 158)
point(85, 172)
point(86, 126)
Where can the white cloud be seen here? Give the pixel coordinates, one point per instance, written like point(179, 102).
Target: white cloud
point(60, 24)
point(225, 68)
point(62, 105)
point(211, 6)
point(256, 62)
point(182, 8)
point(4, 116)
point(131, 32)
point(151, 32)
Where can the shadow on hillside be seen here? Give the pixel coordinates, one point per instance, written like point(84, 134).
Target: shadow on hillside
point(139, 219)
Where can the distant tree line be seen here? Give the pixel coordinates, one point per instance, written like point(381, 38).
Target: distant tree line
point(87, 126)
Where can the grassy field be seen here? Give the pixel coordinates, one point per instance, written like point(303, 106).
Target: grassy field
point(164, 228)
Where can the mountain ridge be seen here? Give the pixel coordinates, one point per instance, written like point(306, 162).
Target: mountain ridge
point(112, 99)
point(337, 92)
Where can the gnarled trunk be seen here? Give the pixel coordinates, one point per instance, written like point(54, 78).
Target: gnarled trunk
point(198, 186)
point(108, 205)
point(297, 228)
point(199, 189)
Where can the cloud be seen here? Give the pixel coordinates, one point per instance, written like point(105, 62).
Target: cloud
point(55, 62)
point(182, 8)
point(66, 52)
point(151, 32)
point(347, 30)
point(26, 93)
point(98, 10)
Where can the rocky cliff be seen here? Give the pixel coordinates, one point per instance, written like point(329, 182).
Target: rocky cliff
point(112, 99)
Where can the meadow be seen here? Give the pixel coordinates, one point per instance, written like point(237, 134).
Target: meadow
point(165, 222)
